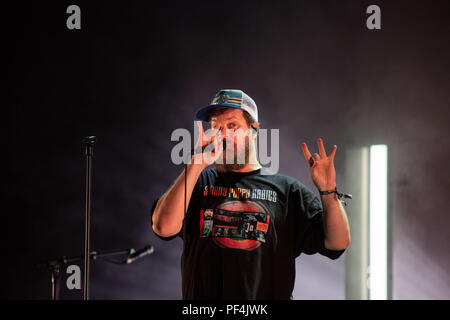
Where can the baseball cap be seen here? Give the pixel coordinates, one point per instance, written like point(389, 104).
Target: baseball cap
point(230, 98)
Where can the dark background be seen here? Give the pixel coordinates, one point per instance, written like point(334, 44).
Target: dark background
point(138, 70)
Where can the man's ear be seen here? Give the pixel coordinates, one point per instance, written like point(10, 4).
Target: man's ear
point(255, 127)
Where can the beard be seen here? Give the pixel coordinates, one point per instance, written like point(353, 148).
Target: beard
point(238, 155)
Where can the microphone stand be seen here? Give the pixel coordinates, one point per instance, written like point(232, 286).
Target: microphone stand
point(55, 266)
point(89, 142)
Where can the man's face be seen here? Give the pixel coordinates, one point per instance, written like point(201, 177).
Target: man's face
point(235, 131)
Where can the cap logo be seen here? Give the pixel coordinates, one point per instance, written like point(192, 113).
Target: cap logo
point(223, 99)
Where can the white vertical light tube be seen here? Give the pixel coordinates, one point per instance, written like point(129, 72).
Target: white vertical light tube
point(378, 218)
point(356, 181)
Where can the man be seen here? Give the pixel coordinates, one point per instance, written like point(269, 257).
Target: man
point(244, 227)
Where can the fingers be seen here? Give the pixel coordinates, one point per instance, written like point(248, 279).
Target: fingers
point(313, 160)
point(306, 152)
point(322, 152)
point(213, 151)
point(200, 126)
point(213, 135)
point(218, 147)
point(205, 138)
point(200, 133)
point(333, 152)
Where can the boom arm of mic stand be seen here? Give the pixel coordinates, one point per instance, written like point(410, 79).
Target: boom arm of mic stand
point(55, 265)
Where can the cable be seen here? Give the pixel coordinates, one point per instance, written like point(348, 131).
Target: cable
point(185, 186)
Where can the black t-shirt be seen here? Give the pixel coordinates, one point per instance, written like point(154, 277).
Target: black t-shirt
point(242, 233)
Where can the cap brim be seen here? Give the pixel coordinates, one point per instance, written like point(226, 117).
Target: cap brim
point(202, 114)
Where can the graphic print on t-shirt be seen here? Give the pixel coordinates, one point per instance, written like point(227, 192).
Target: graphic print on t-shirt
point(237, 224)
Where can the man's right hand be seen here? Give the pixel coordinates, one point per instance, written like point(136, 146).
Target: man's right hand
point(169, 212)
point(213, 152)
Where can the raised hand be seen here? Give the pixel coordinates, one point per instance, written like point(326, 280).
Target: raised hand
point(211, 153)
point(322, 169)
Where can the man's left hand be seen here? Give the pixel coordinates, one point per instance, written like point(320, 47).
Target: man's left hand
point(322, 169)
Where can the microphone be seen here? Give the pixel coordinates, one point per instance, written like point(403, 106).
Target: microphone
point(139, 254)
point(90, 140)
point(202, 149)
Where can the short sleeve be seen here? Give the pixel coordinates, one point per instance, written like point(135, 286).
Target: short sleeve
point(191, 207)
point(309, 235)
point(151, 222)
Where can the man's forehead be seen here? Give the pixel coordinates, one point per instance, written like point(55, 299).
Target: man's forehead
point(228, 115)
